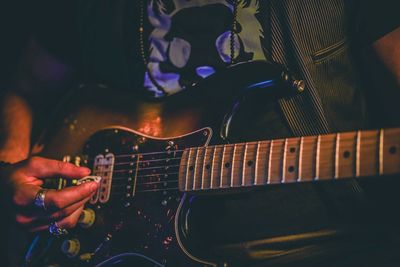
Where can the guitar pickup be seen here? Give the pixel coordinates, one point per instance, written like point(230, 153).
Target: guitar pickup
point(103, 167)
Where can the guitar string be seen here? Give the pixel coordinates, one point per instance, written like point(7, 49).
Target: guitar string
point(162, 189)
point(177, 158)
point(171, 181)
point(144, 182)
point(227, 146)
point(146, 175)
point(131, 162)
point(142, 191)
point(267, 150)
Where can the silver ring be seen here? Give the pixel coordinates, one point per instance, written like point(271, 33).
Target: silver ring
point(55, 230)
point(39, 199)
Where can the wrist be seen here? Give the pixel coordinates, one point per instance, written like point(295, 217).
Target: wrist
point(13, 155)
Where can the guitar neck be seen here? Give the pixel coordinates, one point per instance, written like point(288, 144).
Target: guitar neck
point(310, 158)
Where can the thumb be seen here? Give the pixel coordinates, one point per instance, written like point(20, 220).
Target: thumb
point(46, 168)
point(60, 199)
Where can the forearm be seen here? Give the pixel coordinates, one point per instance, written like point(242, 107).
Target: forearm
point(387, 49)
point(15, 128)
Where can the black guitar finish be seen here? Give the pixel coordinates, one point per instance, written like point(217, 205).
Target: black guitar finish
point(140, 215)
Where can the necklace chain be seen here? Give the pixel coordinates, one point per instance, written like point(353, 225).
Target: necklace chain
point(142, 50)
point(233, 33)
point(234, 30)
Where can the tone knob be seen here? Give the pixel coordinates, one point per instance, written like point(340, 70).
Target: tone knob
point(71, 247)
point(87, 218)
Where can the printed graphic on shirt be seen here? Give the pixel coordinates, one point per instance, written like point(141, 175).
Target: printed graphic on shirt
point(191, 39)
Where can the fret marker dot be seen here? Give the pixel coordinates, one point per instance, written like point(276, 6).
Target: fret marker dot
point(227, 165)
point(208, 166)
point(249, 163)
point(292, 150)
point(191, 168)
point(291, 169)
point(392, 150)
point(346, 154)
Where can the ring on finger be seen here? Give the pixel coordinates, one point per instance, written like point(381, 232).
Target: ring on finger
point(55, 230)
point(39, 199)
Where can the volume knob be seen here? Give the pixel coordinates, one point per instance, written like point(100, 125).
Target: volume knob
point(87, 218)
point(71, 247)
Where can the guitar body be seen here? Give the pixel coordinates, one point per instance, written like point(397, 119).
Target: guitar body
point(141, 218)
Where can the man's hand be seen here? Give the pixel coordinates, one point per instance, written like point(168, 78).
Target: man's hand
point(22, 181)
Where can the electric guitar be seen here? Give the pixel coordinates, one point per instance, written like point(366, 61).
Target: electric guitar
point(169, 178)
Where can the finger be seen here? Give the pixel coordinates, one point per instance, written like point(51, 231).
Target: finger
point(24, 220)
point(35, 220)
point(58, 215)
point(67, 222)
point(60, 199)
point(71, 220)
point(39, 228)
point(47, 168)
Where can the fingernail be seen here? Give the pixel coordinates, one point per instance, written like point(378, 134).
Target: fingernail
point(86, 170)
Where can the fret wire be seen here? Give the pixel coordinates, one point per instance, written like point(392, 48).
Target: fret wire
point(336, 174)
point(222, 166)
point(232, 165)
point(256, 163)
point(187, 169)
point(381, 140)
point(184, 169)
point(212, 167)
point(195, 168)
point(358, 151)
point(270, 161)
point(204, 165)
point(244, 165)
point(300, 160)
point(317, 158)
point(283, 179)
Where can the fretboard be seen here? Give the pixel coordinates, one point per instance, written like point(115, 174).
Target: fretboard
point(310, 158)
